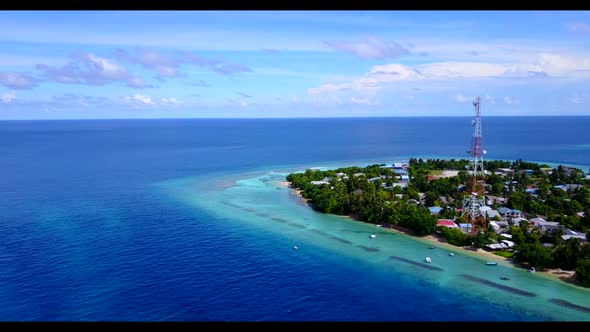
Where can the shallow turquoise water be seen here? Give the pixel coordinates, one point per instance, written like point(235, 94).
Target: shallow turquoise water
point(261, 202)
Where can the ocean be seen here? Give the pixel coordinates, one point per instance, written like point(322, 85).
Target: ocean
point(187, 220)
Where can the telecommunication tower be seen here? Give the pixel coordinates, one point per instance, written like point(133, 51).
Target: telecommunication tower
point(475, 185)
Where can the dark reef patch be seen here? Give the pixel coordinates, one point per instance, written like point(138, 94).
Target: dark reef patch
point(570, 305)
point(317, 231)
point(423, 265)
point(279, 219)
point(368, 249)
point(232, 205)
point(498, 286)
point(339, 239)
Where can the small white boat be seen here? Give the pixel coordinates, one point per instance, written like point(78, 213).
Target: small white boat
point(451, 254)
point(428, 260)
point(373, 236)
point(532, 269)
point(295, 247)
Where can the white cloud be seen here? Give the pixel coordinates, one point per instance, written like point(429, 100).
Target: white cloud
point(238, 39)
point(136, 82)
point(361, 101)
point(393, 72)
point(545, 66)
point(145, 100)
point(166, 66)
point(8, 97)
point(106, 68)
point(87, 68)
point(489, 99)
point(7, 60)
point(328, 88)
point(463, 99)
point(17, 80)
point(511, 101)
point(243, 104)
point(370, 48)
point(579, 27)
point(139, 99)
point(170, 101)
point(577, 98)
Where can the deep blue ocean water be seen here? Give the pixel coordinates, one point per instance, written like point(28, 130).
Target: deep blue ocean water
point(88, 234)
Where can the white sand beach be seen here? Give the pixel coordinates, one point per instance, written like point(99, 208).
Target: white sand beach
point(555, 274)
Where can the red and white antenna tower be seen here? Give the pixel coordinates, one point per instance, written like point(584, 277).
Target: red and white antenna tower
point(475, 185)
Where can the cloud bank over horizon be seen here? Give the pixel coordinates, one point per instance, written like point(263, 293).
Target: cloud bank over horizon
point(287, 64)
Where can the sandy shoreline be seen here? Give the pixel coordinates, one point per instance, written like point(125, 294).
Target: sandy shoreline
point(555, 274)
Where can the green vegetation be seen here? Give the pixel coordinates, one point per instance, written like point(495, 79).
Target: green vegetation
point(534, 254)
point(371, 194)
point(505, 254)
point(365, 200)
point(455, 236)
point(583, 272)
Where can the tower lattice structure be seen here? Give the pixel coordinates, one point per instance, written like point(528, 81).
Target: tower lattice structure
point(475, 185)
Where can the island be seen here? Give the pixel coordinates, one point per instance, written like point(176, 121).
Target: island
point(536, 216)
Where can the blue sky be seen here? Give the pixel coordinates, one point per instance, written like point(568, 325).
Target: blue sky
point(170, 64)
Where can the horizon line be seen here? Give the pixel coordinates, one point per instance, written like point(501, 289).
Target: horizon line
point(302, 118)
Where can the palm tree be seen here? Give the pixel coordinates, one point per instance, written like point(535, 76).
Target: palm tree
point(556, 234)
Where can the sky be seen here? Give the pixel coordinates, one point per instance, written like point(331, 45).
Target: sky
point(291, 64)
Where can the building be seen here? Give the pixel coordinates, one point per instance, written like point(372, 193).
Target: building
point(581, 236)
point(496, 199)
point(546, 170)
point(492, 213)
point(508, 213)
point(497, 246)
point(495, 226)
point(447, 223)
point(505, 170)
point(567, 171)
point(569, 234)
point(545, 226)
point(465, 227)
point(508, 243)
point(435, 209)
